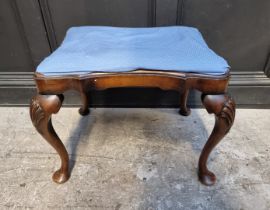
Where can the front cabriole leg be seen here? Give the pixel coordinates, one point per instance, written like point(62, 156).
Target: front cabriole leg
point(41, 109)
point(223, 107)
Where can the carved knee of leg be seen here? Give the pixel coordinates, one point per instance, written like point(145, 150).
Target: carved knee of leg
point(221, 105)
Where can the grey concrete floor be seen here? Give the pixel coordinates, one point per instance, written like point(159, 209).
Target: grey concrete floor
point(134, 159)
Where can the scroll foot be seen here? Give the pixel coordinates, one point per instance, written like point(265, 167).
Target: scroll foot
point(41, 109)
point(223, 107)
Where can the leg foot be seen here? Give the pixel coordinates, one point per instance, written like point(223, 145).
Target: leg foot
point(223, 107)
point(84, 110)
point(207, 178)
point(184, 110)
point(41, 109)
point(60, 176)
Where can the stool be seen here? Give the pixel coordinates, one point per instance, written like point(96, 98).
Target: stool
point(99, 57)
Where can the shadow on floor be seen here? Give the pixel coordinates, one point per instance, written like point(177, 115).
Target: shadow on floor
point(83, 128)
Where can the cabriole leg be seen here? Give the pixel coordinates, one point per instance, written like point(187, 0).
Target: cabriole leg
point(41, 109)
point(184, 110)
point(84, 110)
point(223, 107)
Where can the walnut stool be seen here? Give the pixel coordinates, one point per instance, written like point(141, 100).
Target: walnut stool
point(99, 57)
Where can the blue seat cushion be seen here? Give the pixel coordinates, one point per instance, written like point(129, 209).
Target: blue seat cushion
point(88, 49)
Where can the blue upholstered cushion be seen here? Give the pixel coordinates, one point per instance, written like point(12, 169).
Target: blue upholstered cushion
point(112, 49)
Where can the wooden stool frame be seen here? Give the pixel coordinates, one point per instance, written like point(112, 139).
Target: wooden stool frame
point(49, 100)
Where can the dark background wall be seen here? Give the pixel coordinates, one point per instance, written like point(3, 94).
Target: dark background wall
point(238, 30)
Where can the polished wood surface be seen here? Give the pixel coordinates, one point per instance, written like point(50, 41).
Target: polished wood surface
point(140, 78)
point(214, 97)
point(41, 109)
point(223, 107)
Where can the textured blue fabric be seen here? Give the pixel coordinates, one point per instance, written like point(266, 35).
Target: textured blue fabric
point(88, 49)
